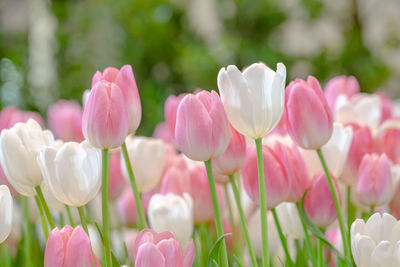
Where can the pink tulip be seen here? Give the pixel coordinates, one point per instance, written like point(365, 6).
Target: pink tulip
point(126, 206)
point(374, 181)
point(341, 85)
point(276, 179)
point(161, 250)
point(296, 170)
point(361, 144)
point(65, 120)
point(318, 202)
point(176, 180)
point(334, 236)
point(232, 160)
point(309, 118)
point(125, 80)
point(105, 118)
point(11, 115)
point(117, 182)
point(161, 131)
point(202, 204)
point(170, 109)
point(69, 247)
point(386, 106)
point(388, 142)
point(202, 130)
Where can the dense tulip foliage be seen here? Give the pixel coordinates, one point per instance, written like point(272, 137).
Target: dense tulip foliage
point(258, 174)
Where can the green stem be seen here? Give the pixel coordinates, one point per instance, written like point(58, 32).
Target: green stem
point(106, 223)
point(283, 238)
point(83, 220)
point(71, 220)
point(27, 237)
point(346, 242)
point(45, 207)
point(320, 253)
point(142, 218)
point(350, 210)
point(230, 212)
point(243, 222)
point(217, 213)
point(372, 210)
point(307, 238)
point(42, 218)
point(263, 202)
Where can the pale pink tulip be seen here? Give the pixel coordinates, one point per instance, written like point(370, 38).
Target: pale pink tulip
point(170, 109)
point(318, 202)
point(388, 140)
point(11, 115)
point(202, 130)
point(162, 131)
point(161, 250)
point(309, 118)
point(374, 185)
point(386, 106)
point(341, 85)
point(232, 160)
point(276, 179)
point(126, 206)
point(117, 182)
point(105, 118)
point(176, 180)
point(361, 144)
point(296, 170)
point(125, 80)
point(65, 120)
point(69, 247)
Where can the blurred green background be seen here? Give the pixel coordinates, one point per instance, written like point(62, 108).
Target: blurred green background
point(51, 49)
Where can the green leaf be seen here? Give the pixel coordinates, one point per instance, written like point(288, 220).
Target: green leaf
point(236, 259)
point(213, 255)
point(114, 259)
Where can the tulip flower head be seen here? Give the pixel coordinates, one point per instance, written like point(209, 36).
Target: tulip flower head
point(254, 98)
point(69, 247)
point(202, 130)
point(388, 140)
point(6, 212)
point(161, 250)
point(10, 115)
point(340, 86)
point(309, 118)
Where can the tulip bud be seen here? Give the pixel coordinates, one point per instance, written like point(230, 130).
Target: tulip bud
point(232, 160)
point(65, 120)
point(309, 118)
point(341, 86)
point(6, 212)
point(254, 98)
point(374, 181)
point(176, 180)
point(126, 208)
point(172, 213)
point(117, 182)
point(72, 173)
point(161, 250)
point(361, 144)
point(202, 129)
point(147, 158)
point(69, 247)
point(386, 106)
point(318, 202)
point(161, 131)
point(19, 146)
point(276, 179)
point(296, 170)
point(125, 80)
point(388, 140)
point(170, 109)
point(9, 116)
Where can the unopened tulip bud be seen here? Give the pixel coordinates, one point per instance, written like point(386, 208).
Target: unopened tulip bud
point(105, 117)
point(309, 118)
point(374, 186)
point(172, 213)
point(341, 86)
point(20, 146)
point(388, 140)
point(170, 109)
point(254, 98)
point(147, 158)
point(276, 179)
point(318, 202)
point(202, 130)
point(232, 160)
point(69, 247)
point(126, 208)
point(6, 212)
point(176, 180)
point(386, 106)
point(65, 120)
point(117, 182)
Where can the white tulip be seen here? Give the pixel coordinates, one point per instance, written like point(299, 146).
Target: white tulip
point(147, 158)
point(6, 212)
point(253, 99)
point(19, 147)
point(173, 213)
point(72, 173)
point(289, 219)
point(335, 152)
point(376, 243)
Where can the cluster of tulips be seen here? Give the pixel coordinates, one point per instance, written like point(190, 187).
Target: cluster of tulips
point(261, 174)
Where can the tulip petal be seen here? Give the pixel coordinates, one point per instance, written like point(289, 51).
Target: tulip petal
point(171, 249)
point(188, 255)
point(78, 250)
point(149, 256)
